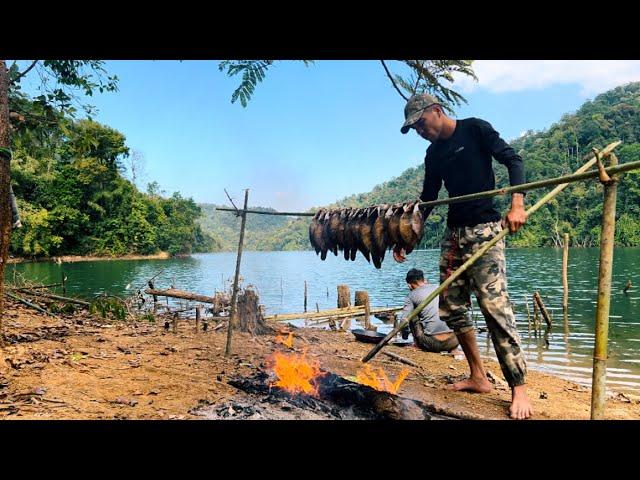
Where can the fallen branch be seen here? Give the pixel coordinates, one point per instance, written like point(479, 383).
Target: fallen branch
point(401, 359)
point(173, 293)
point(55, 297)
point(29, 304)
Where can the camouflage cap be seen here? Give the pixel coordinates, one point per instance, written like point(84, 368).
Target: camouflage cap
point(414, 108)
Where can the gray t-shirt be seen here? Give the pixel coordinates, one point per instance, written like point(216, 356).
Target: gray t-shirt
point(429, 316)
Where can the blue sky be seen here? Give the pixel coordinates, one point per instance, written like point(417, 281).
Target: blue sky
point(312, 135)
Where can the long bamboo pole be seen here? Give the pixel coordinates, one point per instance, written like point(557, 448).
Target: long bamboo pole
point(234, 296)
point(575, 177)
point(607, 234)
point(475, 257)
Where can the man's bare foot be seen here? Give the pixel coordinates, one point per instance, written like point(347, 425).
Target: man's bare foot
point(472, 384)
point(520, 406)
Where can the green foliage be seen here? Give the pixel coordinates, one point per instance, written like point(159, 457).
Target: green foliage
point(253, 72)
point(60, 79)
point(64, 308)
point(432, 76)
point(108, 307)
point(67, 176)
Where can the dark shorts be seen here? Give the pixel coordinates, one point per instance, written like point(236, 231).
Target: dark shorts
point(430, 343)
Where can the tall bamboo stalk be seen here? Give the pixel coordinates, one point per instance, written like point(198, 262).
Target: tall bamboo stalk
point(577, 176)
point(565, 280)
point(607, 236)
point(475, 257)
point(234, 296)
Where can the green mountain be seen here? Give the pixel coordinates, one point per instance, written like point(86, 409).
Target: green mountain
point(558, 150)
point(224, 227)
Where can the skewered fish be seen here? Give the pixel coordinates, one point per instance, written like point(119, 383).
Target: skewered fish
point(366, 233)
point(407, 234)
point(380, 238)
point(315, 231)
point(371, 231)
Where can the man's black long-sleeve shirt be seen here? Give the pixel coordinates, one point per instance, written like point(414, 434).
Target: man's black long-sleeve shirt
point(463, 162)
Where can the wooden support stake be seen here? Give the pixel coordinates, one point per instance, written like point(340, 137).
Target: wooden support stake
point(234, 296)
point(536, 317)
point(64, 283)
point(305, 296)
point(565, 281)
point(198, 314)
point(526, 302)
point(600, 355)
point(545, 314)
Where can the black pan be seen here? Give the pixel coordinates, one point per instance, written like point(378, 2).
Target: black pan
point(368, 336)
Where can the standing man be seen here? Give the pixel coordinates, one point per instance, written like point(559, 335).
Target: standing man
point(460, 154)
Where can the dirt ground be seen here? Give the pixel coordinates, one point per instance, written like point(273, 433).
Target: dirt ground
point(87, 368)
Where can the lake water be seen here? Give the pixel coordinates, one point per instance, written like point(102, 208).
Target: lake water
point(279, 279)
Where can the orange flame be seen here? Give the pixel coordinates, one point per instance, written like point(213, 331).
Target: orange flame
point(288, 341)
point(295, 373)
point(379, 380)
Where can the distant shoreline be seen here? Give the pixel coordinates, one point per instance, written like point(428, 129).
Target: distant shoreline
point(93, 258)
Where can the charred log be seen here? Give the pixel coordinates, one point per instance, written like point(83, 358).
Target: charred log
point(340, 398)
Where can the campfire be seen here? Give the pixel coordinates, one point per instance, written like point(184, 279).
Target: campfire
point(378, 379)
point(298, 384)
point(295, 373)
point(286, 341)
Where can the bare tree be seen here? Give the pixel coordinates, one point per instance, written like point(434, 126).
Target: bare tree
point(137, 170)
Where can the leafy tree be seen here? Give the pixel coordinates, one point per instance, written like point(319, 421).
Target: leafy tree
point(430, 76)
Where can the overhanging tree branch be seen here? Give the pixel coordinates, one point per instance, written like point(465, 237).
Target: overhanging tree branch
point(392, 80)
point(20, 75)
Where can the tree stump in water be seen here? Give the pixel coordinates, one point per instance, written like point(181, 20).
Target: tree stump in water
point(344, 300)
point(249, 315)
point(362, 298)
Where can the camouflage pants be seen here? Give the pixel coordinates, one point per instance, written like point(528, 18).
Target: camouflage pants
point(487, 279)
